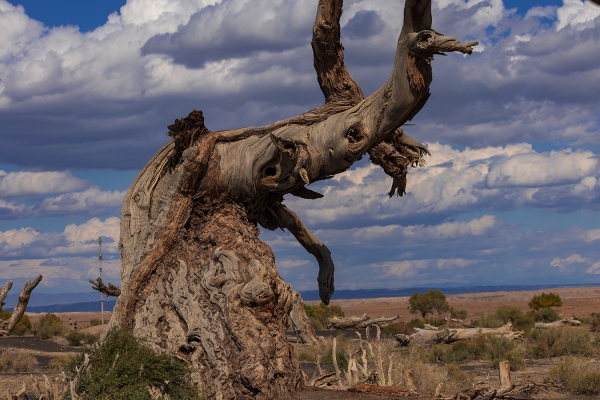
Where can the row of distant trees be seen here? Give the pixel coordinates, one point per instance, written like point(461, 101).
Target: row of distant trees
point(433, 301)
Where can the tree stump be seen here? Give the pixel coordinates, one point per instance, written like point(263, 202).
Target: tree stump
point(196, 280)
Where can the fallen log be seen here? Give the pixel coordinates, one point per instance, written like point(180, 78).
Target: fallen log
point(570, 321)
point(361, 322)
point(430, 336)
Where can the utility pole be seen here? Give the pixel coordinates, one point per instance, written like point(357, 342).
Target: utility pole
point(100, 265)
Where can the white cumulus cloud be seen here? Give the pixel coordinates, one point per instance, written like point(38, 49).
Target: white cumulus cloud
point(22, 183)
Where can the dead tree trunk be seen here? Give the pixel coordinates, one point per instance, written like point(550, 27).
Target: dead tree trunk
point(7, 326)
point(196, 280)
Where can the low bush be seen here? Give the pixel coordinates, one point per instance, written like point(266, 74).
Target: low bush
point(458, 314)
point(417, 323)
point(428, 376)
point(435, 321)
point(482, 347)
point(95, 321)
point(318, 314)
point(17, 360)
point(578, 376)
point(500, 349)
point(546, 315)
point(594, 321)
point(396, 328)
point(60, 362)
point(123, 368)
point(77, 338)
point(49, 326)
point(520, 320)
point(554, 342)
point(23, 327)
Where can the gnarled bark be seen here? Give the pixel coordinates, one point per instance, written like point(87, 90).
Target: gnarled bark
point(195, 278)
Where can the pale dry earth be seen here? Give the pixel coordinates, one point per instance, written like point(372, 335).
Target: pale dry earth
point(576, 302)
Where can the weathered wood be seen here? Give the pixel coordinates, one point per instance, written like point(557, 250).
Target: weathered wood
point(196, 280)
point(408, 380)
point(360, 322)
point(432, 336)
point(3, 292)
point(505, 383)
point(110, 290)
point(570, 321)
point(7, 326)
point(300, 321)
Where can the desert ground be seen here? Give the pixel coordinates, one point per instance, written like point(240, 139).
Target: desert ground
point(578, 302)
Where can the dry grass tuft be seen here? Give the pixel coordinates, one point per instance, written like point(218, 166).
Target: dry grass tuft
point(17, 360)
point(578, 375)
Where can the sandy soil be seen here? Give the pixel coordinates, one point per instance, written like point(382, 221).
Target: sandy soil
point(576, 302)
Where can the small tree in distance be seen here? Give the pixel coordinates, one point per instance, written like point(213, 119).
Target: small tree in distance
point(545, 301)
point(429, 302)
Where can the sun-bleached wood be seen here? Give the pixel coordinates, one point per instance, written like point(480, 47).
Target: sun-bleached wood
point(359, 322)
point(433, 335)
point(7, 326)
point(196, 280)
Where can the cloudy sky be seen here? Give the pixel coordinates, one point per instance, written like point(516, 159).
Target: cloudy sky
point(510, 195)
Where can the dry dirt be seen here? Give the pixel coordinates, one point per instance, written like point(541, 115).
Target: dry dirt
point(576, 302)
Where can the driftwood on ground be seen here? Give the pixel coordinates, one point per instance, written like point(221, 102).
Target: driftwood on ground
point(570, 321)
point(7, 326)
point(360, 322)
point(449, 335)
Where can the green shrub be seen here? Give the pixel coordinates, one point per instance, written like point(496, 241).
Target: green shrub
point(435, 321)
point(555, 342)
point(520, 320)
point(474, 349)
point(59, 363)
point(396, 328)
point(483, 347)
point(417, 323)
point(318, 314)
point(75, 338)
point(487, 321)
point(17, 360)
point(458, 314)
point(49, 326)
point(545, 301)
point(547, 315)
point(427, 303)
point(23, 327)
point(95, 321)
point(136, 368)
point(578, 376)
point(500, 349)
point(594, 321)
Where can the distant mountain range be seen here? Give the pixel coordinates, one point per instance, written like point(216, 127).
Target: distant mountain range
point(73, 302)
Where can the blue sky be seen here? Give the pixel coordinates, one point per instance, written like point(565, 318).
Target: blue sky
point(511, 194)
